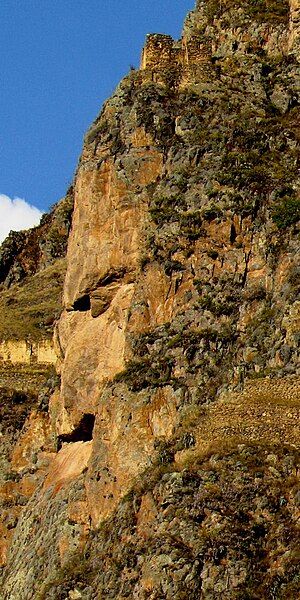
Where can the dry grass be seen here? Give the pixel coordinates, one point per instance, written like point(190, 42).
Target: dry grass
point(24, 378)
point(28, 310)
point(281, 392)
point(262, 10)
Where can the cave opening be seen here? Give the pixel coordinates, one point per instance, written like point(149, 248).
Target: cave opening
point(82, 304)
point(83, 432)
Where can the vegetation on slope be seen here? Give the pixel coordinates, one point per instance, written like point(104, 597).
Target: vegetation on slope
point(225, 526)
point(274, 11)
point(23, 253)
point(29, 309)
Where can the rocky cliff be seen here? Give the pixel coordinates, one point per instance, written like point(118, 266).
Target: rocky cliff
point(32, 270)
point(166, 465)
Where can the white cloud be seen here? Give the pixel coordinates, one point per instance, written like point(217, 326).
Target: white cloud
point(16, 214)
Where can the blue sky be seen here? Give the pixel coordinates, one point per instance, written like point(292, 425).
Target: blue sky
point(59, 60)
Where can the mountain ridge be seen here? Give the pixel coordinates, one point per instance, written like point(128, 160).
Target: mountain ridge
point(163, 462)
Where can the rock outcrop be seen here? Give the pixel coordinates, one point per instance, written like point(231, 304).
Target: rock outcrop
point(24, 253)
point(32, 271)
point(168, 463)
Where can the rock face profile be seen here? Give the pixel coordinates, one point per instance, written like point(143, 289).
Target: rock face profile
point(161, 459)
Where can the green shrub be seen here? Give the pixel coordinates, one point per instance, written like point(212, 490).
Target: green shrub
point(287, 212)
point(147, 372)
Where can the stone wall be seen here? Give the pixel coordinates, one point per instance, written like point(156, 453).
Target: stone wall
point(158, 52)
point(193, 55)
point(188, 57)
point(267, 409)
point(25, 352)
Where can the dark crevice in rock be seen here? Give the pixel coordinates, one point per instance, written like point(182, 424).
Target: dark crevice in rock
point(82, 304)
point(233, 234)
point(111, 277)
point(82, 433)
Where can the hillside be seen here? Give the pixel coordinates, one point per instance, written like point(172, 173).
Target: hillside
point(163, 462)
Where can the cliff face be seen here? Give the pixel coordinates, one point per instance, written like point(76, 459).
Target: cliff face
point(175, 426)
point(32, 270)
